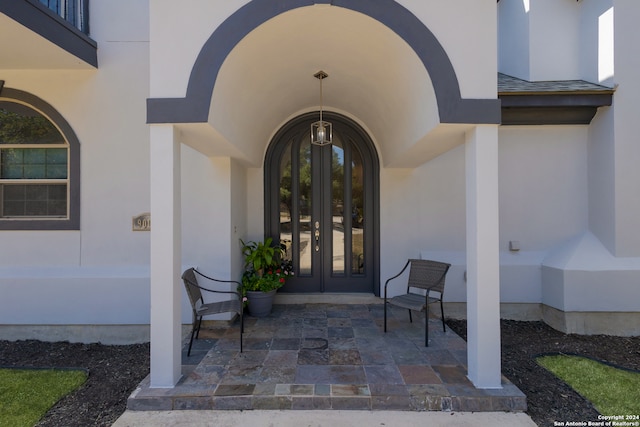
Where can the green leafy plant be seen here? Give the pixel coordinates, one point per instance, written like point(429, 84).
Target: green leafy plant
point(260, 255)
point(265, 270)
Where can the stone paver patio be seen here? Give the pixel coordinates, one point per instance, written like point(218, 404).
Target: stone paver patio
point(328, 356)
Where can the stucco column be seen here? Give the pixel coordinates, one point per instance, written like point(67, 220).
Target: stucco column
point(166, 255)
point(483, 263)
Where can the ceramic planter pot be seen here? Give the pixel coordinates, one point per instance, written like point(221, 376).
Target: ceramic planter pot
point(260, 303)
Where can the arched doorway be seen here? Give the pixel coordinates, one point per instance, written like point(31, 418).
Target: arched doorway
point(322, 203)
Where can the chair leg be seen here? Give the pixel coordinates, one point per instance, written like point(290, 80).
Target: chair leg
point(444, 329)
point(385, 315)
point(199, 325)
point(193, 332)
point(241, 329)
point(426, 326)
point(410, 318)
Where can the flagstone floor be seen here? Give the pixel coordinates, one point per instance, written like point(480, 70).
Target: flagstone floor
point(328, 356)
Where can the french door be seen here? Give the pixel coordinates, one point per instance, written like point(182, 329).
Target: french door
point(321, 204)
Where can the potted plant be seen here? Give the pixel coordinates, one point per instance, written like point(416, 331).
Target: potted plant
point(265, 273)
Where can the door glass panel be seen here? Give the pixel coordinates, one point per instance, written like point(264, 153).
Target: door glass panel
point(357, 213)
point(337, 207)
point(321, 206)
point(304, 206)
point(286, 207)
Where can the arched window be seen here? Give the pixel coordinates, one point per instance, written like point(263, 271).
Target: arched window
point(39, 163)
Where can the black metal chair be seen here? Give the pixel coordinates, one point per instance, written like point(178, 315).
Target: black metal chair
point(429, 276)
point(200, 308)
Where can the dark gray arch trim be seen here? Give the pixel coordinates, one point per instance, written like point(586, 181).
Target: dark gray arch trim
point(194, 108)
point(73, 222)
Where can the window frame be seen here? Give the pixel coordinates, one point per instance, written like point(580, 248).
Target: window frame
point(72, 221)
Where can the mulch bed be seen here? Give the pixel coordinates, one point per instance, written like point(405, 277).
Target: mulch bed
point(115, 371)
point(549, 399)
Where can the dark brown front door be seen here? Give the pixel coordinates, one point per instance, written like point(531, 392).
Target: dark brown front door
point(322, 204)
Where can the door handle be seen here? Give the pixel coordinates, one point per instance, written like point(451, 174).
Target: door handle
point(317, 235)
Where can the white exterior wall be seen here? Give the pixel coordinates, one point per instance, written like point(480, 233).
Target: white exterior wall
point(210, 219)
point(614, 152)
point(555, 40)
point(543, 40)
point(601, 166)
point(475, 68)
point(178, 34)
point(543, 185)
point(543, 204)
point(100, 274)
point(596, 41)
point(513, 38)
point(627, 173)
point(567, 193)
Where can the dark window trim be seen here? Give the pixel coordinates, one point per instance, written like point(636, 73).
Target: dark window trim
point(39, 19)
point(73, 221)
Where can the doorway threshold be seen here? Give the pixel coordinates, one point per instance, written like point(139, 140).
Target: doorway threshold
point(327, 298)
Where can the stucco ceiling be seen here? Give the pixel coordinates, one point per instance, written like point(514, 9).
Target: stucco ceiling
point(374, 78)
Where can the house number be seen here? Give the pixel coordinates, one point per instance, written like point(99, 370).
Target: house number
point(141, 222)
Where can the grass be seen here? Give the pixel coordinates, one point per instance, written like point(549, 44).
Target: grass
point(611, 390)
point(27, 394)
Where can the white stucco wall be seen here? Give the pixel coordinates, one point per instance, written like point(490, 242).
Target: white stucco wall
point(477, 26)
point(556, 40)
point(213, 219)
point(627, 173)
point(179, 33)
point(99, 274)
point(557, 184)
point(583, 276)
point(596, 41)
point(513, 39)
point(601, 175)
point(543, 185)
point(543, 203)
point(613, 171)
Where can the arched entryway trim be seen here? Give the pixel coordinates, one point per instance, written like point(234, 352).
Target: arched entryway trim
point(194, 108)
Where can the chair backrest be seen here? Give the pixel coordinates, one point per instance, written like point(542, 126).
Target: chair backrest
point(426, 274)
point(193, 292)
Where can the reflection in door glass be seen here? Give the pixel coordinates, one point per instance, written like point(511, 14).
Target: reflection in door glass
point(304, 206)
point(285, 202)
point(357, 213)
point(337, 206)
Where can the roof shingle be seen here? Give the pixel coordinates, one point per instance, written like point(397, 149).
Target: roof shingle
point(509, 85)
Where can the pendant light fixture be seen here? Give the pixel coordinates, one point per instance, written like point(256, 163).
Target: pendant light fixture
point(321, 131)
